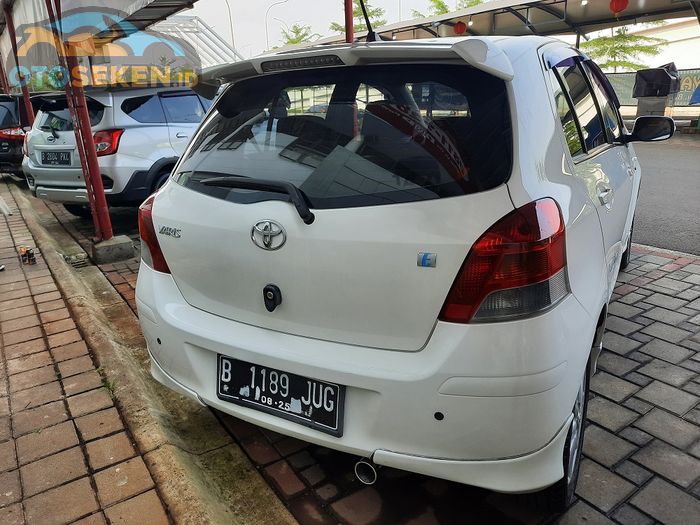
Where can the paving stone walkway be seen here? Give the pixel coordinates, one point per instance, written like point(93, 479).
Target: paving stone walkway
point(65, 455)
point(642, 445)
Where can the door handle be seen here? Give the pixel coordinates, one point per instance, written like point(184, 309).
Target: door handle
point(606, 197)
point(181, 135)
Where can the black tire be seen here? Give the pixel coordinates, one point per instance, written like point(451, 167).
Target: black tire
point(161, 179)
point(562, 494)
point(626, 257)
point(79, 210)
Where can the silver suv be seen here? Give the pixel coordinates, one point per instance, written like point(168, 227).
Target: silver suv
point(139, 135)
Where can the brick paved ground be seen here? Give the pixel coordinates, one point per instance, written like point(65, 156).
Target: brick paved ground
point(65, 456)
point(642, 446)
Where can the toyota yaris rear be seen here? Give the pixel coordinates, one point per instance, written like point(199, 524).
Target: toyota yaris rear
point(393, 277)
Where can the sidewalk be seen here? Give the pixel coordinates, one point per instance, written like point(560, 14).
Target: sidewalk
point(65, 455)
point(642, 446)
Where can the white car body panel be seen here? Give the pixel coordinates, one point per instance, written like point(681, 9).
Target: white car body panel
point(506, 389)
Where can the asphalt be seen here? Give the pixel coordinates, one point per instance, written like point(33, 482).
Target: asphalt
point(668, 211)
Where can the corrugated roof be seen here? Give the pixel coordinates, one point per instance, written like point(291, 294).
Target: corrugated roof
point(543, 17)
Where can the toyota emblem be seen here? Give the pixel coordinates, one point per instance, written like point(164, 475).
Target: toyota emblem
point(268, 235)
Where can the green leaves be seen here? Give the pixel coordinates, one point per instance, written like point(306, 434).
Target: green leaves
point(440, 7)
point(622, 50)
point(298, 34)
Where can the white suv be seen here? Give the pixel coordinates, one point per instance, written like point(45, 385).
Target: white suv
point(139, 135)
point(418, 275)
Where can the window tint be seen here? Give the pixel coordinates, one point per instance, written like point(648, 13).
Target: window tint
point(183, 108)
point(576, 85)
point(8, 114)
point(608, 110)
point(382, 135)
point(55, 114)
point(144, 109)
point(566, 115)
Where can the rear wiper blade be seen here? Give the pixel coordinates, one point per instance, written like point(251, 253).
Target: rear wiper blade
point(51, 129)
point(295, 194)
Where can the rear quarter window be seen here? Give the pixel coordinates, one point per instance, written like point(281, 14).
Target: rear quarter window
point(146, 109)
point(357, 136)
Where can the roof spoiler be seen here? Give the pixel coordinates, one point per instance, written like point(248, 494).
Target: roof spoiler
point(478, 52)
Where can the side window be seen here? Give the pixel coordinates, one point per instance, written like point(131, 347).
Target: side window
point(144, 109)
point(568, 121)
point(183, 109)
point(575, 83)
point(607, 108)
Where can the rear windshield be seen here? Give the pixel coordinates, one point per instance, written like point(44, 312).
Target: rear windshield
point(8, 114)
point(55, 114)
point(357, 136)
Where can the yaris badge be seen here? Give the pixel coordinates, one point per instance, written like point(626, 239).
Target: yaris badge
point(268, 235)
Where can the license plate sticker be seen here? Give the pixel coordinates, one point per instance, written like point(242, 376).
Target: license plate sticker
point(56, 158)
point(309, 402)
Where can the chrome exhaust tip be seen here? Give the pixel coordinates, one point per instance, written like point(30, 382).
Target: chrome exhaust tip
point(366, 472)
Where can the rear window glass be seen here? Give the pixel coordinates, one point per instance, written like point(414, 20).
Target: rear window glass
point(55, 114)
point(183, 109)
point(145, 109)
point(357, 136)
point(8, 114)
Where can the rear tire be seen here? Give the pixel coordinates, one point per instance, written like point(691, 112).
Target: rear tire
point(161, 179)
point(79, 210)
point(562, 494)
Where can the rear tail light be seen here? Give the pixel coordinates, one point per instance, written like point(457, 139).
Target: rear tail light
point(107, 142)
point(12, 134)
point(25, 147)
point(516, 269)
point(151, 253)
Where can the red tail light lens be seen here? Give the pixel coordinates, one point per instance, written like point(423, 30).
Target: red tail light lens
point(12, 134)
point(517, 268)
point(151, 253)
point(107, 142)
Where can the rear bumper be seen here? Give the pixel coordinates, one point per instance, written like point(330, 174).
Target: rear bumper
point(506, 392)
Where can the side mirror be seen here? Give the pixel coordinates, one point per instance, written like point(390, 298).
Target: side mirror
point(651, 129)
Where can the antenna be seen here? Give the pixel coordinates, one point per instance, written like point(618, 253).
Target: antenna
point(371, 35)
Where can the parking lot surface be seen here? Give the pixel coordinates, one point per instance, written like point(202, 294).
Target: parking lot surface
point(65, 453)
point(642, 445)
point(667, 213)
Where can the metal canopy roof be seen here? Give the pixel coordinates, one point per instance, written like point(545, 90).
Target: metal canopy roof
point(139, 13)
point(544, 17)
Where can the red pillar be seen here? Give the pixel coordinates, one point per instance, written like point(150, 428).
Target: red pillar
point(13, 40)
point(349, 22)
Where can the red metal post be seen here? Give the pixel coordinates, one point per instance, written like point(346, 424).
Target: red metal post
point(349, 22)
point(9, 21)
point(81, 113)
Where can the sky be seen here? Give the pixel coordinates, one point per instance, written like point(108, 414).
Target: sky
point(249, 18)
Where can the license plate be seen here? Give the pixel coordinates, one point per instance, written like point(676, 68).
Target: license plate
point(56, 158)
point(309, 402)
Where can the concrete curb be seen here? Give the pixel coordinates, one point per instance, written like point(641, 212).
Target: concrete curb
point(201, 473)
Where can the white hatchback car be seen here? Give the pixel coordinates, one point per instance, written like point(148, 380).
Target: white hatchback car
point(139, 135)
point(420, 274)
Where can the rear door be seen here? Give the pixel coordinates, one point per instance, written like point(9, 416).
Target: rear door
point(400, 189)
point(183, 113)
point(599, 157)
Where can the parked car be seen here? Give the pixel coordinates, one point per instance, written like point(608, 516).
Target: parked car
point(426, 289)
point(139, 135)
point(13, 119)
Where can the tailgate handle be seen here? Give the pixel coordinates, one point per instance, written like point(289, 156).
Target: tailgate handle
point(272, 296)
